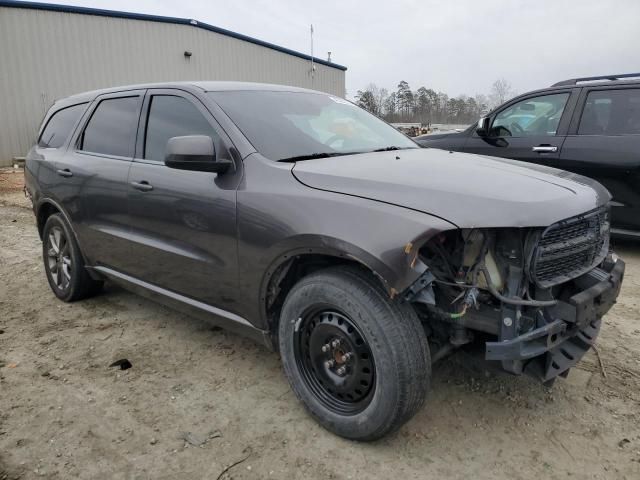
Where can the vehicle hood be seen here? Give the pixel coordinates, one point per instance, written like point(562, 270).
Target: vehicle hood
point(466, 190)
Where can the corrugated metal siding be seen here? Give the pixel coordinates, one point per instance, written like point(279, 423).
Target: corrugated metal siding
point(48, 55)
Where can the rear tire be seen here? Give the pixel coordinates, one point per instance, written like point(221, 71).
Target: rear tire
point(64, 264)
point(357, 360)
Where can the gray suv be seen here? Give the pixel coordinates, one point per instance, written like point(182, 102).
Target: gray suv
point(304, 222)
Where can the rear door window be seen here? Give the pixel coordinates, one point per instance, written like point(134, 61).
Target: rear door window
point(611, 112)
point(172, 116)
point(60, 125)
point(112, 127)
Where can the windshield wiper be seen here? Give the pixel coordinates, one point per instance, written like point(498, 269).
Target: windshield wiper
point(389, 149)
point(312, 156)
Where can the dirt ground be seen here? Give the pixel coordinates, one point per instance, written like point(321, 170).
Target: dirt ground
point(198, 399)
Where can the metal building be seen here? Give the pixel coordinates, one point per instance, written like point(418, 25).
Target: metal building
point(51, 51)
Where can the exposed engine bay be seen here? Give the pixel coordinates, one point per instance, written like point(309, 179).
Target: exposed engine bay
point(535, 295)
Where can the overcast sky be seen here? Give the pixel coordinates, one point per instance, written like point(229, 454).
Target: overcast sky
point(453, 46)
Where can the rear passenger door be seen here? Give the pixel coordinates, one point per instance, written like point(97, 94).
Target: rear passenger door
point(48, 153)
point(183, 223)
point(604, 144)
point(530, 129)
point(94, 172)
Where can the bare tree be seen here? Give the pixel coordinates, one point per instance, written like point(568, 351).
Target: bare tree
point(379, 94)
point(482, 103)
point(379, 97)
point(501, 91)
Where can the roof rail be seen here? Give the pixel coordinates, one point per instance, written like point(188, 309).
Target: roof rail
point(573, 81)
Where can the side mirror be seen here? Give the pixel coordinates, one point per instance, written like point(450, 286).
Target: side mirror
point(194, 152)
point(482, 128)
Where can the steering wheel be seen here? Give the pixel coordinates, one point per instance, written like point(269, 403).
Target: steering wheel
point(500, 131)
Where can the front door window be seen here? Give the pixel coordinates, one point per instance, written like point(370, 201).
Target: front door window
point(536, 116)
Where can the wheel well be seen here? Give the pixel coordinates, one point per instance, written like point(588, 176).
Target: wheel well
point(290, 272)
point(44, 212)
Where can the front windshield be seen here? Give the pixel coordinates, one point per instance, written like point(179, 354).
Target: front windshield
point(289, 125)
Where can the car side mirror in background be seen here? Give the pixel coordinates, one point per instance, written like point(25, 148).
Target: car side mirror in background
point(482, 128)
point(194, 152)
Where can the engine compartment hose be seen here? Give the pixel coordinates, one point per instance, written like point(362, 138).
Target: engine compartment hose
point(513, 301)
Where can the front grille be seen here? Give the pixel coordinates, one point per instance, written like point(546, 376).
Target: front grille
point(569, 248)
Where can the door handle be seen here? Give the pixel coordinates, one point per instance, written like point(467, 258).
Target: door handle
point(64, 172)
point(143, 186)
point(545, 149)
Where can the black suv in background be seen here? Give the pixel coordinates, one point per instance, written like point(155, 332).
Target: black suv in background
point(312, 226)
point(589, 126)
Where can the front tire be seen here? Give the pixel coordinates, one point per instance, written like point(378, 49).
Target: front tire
point(357, 360)
point(63, 262)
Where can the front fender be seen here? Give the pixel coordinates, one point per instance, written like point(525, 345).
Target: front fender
point(301, 245)
point(279, 217)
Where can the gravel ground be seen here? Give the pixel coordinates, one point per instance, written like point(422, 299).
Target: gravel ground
point(198, 399)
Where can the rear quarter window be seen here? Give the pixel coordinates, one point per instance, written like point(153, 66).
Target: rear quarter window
point(59, 126)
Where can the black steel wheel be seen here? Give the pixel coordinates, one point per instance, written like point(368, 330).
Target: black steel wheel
point(335, 360)
point(63, 262)
point(358, 360)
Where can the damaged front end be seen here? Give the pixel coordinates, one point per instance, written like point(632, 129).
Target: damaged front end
point(535, 295)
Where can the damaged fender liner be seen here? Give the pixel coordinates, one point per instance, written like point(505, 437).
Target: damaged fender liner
point(421, 290)
point(559, 345)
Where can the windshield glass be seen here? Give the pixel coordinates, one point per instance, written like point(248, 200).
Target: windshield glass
point(288, 125)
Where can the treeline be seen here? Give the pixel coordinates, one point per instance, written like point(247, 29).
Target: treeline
point(426, 106)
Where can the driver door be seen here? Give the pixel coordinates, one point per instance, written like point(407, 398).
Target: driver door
point(530, 129)
point(182, 223)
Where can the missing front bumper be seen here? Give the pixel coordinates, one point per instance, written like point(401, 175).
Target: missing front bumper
point(554, 348)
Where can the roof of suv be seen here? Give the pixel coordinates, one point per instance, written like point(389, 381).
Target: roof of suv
point(207, 86)
point(613, 79)
point(604, 80)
